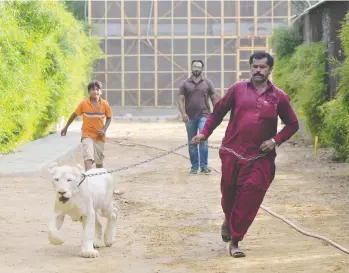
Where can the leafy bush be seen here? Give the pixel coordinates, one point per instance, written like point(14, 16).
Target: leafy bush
point(335, 129)
point(344, 83)
point(335, 132)
point(78, 8)
point(284, 41)
point(302, 76)
point(45, 63)
point(300, 71)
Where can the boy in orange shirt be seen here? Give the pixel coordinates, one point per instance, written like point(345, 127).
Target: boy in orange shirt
point(93, 111)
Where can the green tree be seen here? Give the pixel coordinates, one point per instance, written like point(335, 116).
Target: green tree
point(45, 63)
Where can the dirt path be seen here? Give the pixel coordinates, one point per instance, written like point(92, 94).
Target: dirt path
point(170, 221)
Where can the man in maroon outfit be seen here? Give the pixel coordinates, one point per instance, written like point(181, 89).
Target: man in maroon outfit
point(255, 106)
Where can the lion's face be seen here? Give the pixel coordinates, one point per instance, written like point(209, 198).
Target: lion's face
point(65, 180)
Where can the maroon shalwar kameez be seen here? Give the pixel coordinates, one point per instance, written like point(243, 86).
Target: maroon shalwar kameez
point(253, 119)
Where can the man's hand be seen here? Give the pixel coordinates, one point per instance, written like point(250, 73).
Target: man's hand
point(101, 132)
point(198, 139)
point(64, 131)
point(185, 118)
point(267, 146)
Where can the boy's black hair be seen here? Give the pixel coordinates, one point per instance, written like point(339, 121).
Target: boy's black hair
point(93, 85)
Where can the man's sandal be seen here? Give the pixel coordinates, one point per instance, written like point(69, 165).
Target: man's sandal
point(236, 252)
point(225, 232)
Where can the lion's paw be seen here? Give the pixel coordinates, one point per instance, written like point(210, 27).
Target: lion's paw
point(108, 243)
point(55, 240)
point(89, 253)
point(108, 240)
point(96, 245)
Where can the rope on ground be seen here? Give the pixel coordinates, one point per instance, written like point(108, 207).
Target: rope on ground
point(288, 222)
point(345, 250)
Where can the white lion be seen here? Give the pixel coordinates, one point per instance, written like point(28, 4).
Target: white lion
point(85, 200)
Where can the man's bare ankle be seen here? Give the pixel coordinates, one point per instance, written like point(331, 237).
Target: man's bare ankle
point(235, 242)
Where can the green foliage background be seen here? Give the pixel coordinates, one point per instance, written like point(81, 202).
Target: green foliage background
point(300, 70)
point(335, 132)
point(46, 62)
point(302, 76)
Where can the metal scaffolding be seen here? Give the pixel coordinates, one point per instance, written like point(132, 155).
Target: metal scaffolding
point(149, 45)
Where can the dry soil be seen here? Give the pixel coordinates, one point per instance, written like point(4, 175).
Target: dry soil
point(170, 221)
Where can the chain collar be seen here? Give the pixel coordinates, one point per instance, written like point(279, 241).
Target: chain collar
point(82, 180)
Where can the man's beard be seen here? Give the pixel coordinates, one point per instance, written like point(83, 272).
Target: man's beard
point(196, 73)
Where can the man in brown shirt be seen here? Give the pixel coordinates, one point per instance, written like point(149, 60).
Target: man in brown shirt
point(194, 93)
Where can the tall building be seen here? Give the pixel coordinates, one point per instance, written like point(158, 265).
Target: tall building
point(150, 44)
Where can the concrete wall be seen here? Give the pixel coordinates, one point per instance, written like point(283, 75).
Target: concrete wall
point(322, 23)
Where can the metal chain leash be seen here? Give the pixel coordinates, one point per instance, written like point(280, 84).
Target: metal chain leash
point(169, 152)
point(139, 163)
point(236, 154)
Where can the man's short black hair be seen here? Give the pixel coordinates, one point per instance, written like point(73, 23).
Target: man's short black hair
point(197, 61)
point(93, 85)
point(261, 55)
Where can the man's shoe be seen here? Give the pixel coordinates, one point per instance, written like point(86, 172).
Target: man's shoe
point(192, 171)
point(205, 170)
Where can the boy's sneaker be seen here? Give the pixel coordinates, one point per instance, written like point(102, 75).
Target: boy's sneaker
point(205, 170)
point(192, 171)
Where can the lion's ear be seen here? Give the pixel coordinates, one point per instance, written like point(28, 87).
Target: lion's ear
point(79, 168)
point(52, 167)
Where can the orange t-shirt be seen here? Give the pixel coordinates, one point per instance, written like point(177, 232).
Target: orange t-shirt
point(93, 118)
